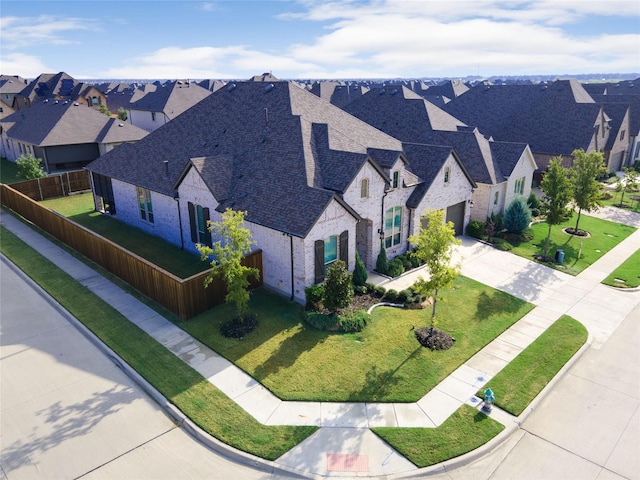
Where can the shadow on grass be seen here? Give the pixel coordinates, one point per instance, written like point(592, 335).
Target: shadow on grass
point(497, 302)
point(289, 352)
point(379, 384)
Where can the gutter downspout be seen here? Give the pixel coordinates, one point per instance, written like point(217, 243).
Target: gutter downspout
point(292, 275)
point(177, 199)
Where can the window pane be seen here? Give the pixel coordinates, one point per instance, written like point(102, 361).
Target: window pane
point(387, 242)
point(397, 219)
point(330, 249)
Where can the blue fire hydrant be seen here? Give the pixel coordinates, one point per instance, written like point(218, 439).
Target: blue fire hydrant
point(489, 400)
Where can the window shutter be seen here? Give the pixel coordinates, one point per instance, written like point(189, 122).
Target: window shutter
point(344, 247)
point(207, 232)
point(319, 261)
point(192, 222)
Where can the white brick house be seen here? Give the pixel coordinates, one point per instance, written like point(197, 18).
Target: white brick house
point(317, 184)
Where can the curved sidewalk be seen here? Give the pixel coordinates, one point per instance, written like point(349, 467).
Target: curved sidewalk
point(345, 425)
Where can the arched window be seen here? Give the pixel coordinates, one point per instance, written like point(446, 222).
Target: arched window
point(94, 101)
point(393, 227)
point(447, 173)
point(364, 188)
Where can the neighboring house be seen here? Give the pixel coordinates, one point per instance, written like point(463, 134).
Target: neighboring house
point(632, 134)
point(117, 95)
point(58, 86)
point(338, 93)
point(501, 170)
point(158, 106)
point(63, 134)
point(10, 86)
point(317, 183)
point(553, 119)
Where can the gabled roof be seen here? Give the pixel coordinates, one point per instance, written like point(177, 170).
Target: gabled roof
point(633, 101)
point(426, 162)
point(50, 123)
point(553, 119)
point(615, 112)
point(171, 98)
point(49, 85)
point(258, 147)
point(401, 113)
point(12, 84)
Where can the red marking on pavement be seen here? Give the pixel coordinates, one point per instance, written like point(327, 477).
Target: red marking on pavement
point(342, 462)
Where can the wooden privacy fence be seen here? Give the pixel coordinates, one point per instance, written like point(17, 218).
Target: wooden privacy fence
point(54, 186)
point(184, 297)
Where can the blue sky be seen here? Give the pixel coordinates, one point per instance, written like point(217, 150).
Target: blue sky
point(237, 39)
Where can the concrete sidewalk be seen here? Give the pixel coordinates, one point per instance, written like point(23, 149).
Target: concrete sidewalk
point(345, 426)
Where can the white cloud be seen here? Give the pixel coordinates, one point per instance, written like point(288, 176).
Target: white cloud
point(18, 32)
point(422, 38)
point(26, 66)
point(204, 62)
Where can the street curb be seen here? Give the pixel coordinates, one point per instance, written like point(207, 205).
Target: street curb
point(170, 409)
point(472, 456)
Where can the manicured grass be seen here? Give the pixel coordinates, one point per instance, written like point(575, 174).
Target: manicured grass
point(629, 271)
point(630, 200)
point(579, 252)
point(517, 384)
point(383, 363)
point(213, 411)
point(80, 209)
point(9, 172)
point(465, 430)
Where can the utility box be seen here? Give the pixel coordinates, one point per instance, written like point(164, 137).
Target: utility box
point(559, 256)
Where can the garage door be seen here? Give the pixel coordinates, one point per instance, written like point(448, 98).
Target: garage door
point(455, 214)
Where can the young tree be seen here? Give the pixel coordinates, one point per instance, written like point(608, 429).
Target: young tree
point(360, 274)
point(122, 114)
point(29, 167)
point(434, 246)
point(382, 264)
point(628, 183)
point(338, 287)
point(517, 216)
point(558, 191)
point(234, 241)
point(587, 168)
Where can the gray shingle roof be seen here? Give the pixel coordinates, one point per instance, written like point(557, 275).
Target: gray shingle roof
point(264, 139)
point(66, 123)
point(553, 119)
point(172, 98)
point(401, 113)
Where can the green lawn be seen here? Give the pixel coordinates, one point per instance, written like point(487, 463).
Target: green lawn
point(382, 363)
point(630, 199)
point(9, 172)
point(80, 209)
point(207, 406)
point(579, 252)
point(517, 384)
point(628, 272)
point(465, 430)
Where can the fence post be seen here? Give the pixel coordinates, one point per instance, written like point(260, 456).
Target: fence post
point(40, 189)
point(68, 184)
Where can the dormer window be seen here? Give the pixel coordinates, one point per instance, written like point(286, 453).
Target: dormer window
point(396, 177)
point(447, 173)
point(364, 188)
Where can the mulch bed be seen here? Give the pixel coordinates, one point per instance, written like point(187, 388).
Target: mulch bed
point(579, 233)
point(434, 338)
point(239, 328)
